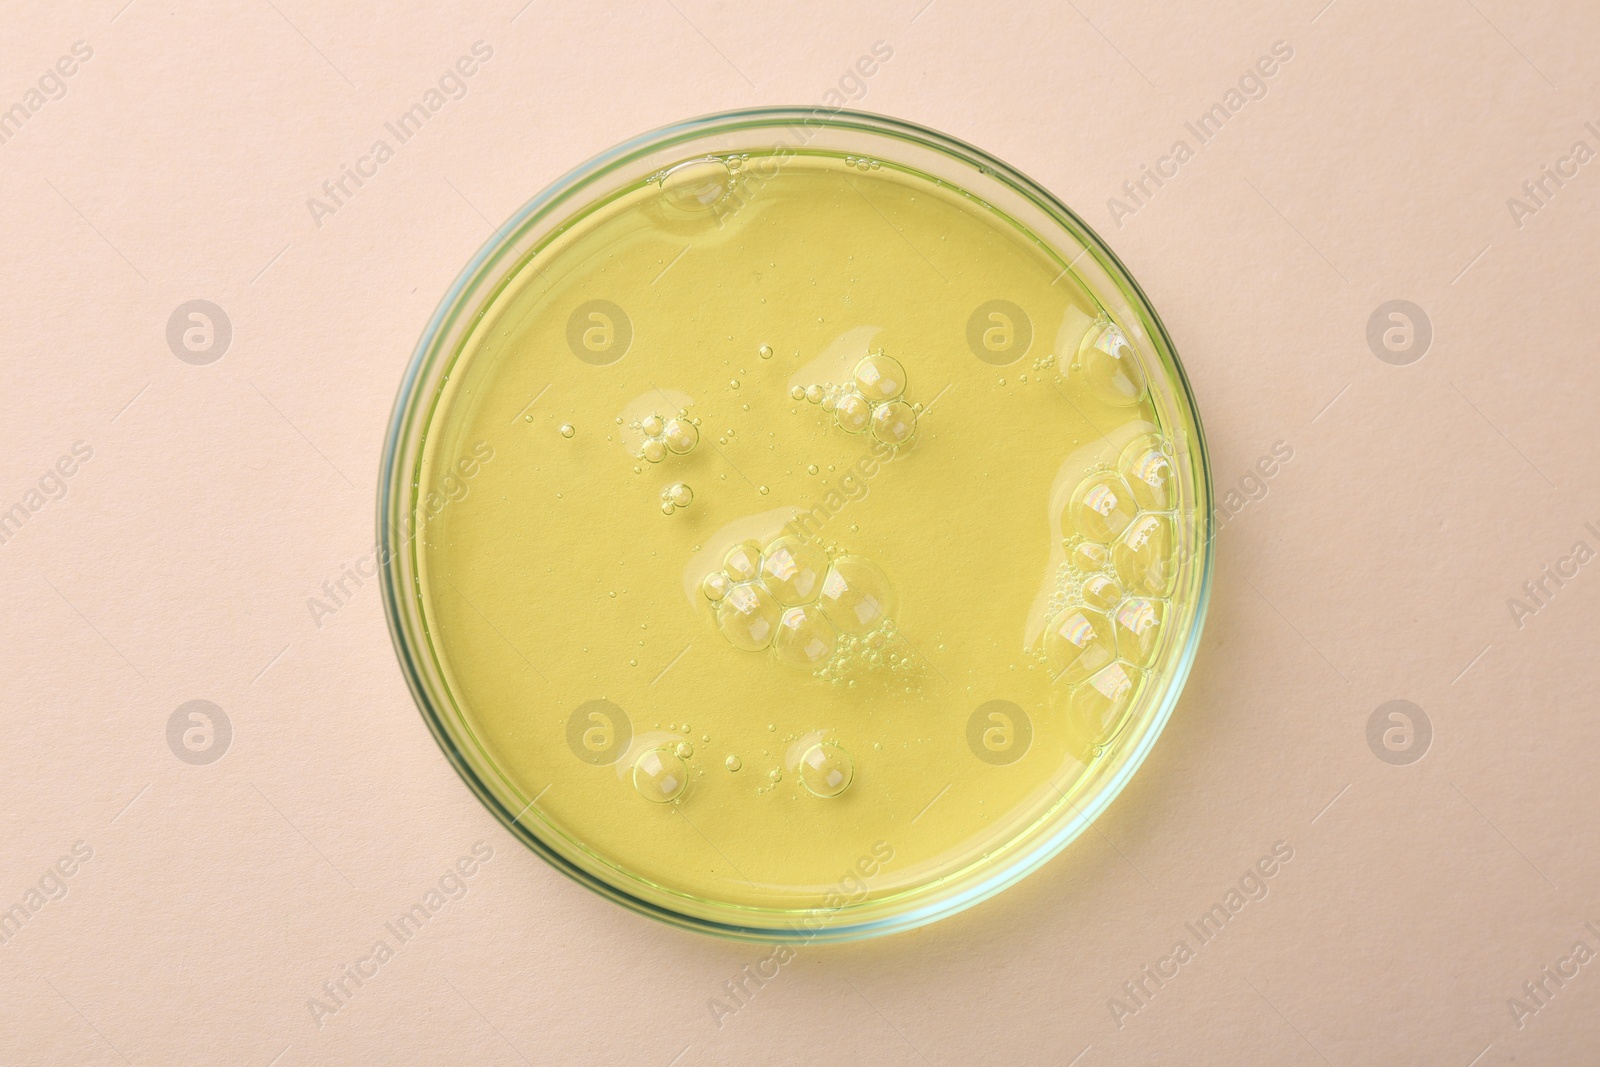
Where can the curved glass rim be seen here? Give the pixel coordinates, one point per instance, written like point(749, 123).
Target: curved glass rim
point(393, 484)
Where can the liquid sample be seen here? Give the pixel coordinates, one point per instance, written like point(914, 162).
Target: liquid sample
point(772, 533)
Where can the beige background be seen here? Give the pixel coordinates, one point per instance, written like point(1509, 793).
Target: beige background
point(1378, 565)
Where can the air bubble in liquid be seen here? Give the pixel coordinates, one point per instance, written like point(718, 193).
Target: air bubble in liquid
point(1097, 709)
point(792, 569)
point(743, 561)
point(1101, 507)
point(879, 377)
point(805, 638)
point(826, 770)
point(1138, 627)
point(856, 595)
point(567, 430)
point(1148, 469)
point(1077, 643)
point(680, 436)
point(679, 495)
point(1101, 592)
point(894, 423)
point(660, 776)
point(1109, 367)
point(1145, 555)
point(696, 186)
point(852, 412)
point(715, 586)
point(748, 616)
point(654, 449)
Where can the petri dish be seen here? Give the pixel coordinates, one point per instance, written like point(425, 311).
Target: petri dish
point(795, 525)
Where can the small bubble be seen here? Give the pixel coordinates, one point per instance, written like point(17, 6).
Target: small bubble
point(680, 436)
point(795, 392)
point(733, 763)
point(567, 430)
point(652, 426)
point(765, 351)
point(660, 776)
point(763, 490)
point(667, 508)
point(733, 383)
point(814, 393)
point(654, 450)
point(684, 750)
point(527, 418)
point(776, 775)
point(715, 586)
point(679, 495)
point(811, 468)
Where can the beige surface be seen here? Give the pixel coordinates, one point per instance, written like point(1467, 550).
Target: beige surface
point(1378, 565)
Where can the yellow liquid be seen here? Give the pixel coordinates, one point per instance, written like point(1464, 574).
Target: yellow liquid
point(793, 537)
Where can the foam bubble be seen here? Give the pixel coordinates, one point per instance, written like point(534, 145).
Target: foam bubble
point(792, 569)
point(1144, 556)
point(1077, 643)
point(894, 423)
point(748, 616)
point(856, 595)
point(879, 377)
point(1101, 507)
point(660, 775)
point(743, 561)
point(1148, 469)
point(805, 638)
point(680, 436)
point(826, 770)
point(1109, 367)
point(852, 412)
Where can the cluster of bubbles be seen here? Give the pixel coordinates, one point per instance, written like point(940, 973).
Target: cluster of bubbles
point(662, 437)
point(872, 400)
point(827, 615)
point(675, 496)
point(1106, 614)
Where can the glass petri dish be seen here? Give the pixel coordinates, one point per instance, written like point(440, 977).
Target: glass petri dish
point(795, 525)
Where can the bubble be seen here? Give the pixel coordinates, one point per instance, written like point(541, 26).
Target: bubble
point(696, 186)
point(763, 490)
point(1099, 708)
point(826, 770)
point(654, 450)
point(852, 412)
point(1144, 555)
point(1101, 507)
point(811, 468)
point(797, 393)
point(715, 586)
point(743, 561)
point(856, 595)
point(1090, 556)
point(667, 508)
point(733, 383)
point(680, 436)
point(805, 638)
point(1138, 628)
point(652, 426)
point(814, 393)
point(776, 775)
point(792, 569)
point(765, 351)
point(567, 430)
point(684, 750)
point(733, 763)
point(1148, 470)
point(1109, 367)
point(748, 616)
point(679, 495)
point(1077, 643)
point(894, 423)
point(1101, 592)
point(660, 776)
point(880, 377)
